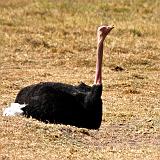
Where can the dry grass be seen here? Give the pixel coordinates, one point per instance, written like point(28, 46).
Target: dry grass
point(55, 40)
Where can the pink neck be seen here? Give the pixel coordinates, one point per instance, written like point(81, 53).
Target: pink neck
point(98, 76)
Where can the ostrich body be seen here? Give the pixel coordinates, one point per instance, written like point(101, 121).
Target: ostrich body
point(79, 105)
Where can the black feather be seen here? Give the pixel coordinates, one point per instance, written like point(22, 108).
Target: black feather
point(80, 105)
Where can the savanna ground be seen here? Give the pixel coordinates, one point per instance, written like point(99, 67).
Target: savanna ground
point(55, 40)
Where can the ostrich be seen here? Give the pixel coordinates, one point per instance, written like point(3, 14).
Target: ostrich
point(59, 103)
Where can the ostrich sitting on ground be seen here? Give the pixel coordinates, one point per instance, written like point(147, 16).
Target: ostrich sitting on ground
point(51, 102)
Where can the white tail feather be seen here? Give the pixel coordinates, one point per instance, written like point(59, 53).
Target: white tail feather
point(14, 109)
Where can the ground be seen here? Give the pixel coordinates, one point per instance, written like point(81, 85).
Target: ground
point(55, 40)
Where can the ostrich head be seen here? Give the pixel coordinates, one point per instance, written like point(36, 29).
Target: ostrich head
point(102, 32)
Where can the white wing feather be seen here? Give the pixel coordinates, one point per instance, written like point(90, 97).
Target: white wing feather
point(14, 109)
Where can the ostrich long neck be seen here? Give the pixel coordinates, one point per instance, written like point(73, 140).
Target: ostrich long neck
point(98, 76)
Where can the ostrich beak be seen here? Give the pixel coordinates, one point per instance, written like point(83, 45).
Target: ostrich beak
point(111, 27)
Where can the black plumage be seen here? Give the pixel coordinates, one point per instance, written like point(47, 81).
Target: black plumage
point(80, 105)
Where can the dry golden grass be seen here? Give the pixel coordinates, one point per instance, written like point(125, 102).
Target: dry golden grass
point(55, 40)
